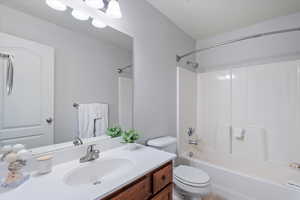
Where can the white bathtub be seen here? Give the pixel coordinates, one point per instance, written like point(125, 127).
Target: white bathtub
point(234, 185)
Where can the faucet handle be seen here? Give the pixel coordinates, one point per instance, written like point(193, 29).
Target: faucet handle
point(77, 141)
point(91, 147)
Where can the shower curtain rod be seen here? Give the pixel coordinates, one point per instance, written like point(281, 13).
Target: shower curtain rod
point(2, 55)
point(178, 58)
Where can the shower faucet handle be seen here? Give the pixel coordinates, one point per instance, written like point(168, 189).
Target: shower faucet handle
point(190, 131)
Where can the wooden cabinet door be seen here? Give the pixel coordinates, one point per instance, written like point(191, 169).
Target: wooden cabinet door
point(139, 191)
point(166, 194)
point(162, 178)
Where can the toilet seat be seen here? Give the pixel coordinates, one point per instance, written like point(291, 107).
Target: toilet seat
point(191, 176)
point(192, 184)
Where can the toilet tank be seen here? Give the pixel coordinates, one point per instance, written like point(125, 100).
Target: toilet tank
point(168, 144)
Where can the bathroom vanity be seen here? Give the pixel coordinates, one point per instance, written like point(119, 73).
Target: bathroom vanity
point(119, 174)
point(156, 185)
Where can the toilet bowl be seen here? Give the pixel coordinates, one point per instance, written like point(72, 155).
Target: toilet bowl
point(190, 182)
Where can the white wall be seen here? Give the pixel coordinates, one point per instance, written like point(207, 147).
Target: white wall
point(84, 67)
point(156, 43)
point(256, 51)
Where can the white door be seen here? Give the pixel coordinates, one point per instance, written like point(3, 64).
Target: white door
point(26, 115)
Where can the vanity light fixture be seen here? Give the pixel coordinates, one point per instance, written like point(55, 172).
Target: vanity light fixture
point(114, 10)
point(110, 7)
point(80, 15)
point(97, 4)
point(56, 5)
point(98, 24)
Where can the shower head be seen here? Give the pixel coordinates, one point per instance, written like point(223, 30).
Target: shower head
point(120, 70)
point(195, 65)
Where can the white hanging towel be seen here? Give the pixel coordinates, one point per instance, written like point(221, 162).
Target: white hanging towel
point(92, 119)
point(100, 112)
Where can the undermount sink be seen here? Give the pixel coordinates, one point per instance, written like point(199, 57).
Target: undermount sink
point(98, 171)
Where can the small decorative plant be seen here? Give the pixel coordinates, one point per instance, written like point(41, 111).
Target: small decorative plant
point(115, 131)
point(130, 136)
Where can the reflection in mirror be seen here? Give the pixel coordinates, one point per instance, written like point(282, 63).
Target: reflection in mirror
point(60, 78)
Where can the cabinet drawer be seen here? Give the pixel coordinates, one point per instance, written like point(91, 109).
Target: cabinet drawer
point(139, 191)
point(166, 194)
point(162, 178)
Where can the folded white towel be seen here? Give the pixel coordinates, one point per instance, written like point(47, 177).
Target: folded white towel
point(92, 119)
point(100, 116)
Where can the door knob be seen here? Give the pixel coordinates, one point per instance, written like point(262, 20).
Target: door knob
point(49, 120)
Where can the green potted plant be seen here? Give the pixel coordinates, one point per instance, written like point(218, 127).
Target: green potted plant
point(130, 137)
point(114, 132)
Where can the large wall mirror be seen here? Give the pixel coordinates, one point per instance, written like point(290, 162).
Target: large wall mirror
point(60, 78)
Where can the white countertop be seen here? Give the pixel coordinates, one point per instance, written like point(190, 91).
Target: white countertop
point(52, 186)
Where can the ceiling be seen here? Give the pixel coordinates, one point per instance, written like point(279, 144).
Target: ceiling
point(204, 18)
point(38, 8)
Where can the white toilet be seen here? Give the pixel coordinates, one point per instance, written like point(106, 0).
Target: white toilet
point(190, 182)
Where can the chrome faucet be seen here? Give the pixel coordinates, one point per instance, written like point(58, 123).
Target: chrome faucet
point(91, 154)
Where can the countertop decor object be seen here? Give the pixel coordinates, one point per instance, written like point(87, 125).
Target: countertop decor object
point(115, 131)
point(16, 156)
point(44, 164)
point(130, 137)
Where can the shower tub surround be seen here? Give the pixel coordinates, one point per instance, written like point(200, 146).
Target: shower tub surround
point(236, 180)
point(247, 128)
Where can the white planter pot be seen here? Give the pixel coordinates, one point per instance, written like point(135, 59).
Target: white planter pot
point(131, 146)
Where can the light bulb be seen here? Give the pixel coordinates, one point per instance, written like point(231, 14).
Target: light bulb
point(56, 5)
point(97, 4)
point(80, 15)
point(114, 10)
point(98, 24)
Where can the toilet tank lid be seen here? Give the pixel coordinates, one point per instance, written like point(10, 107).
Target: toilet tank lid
point(161, 141)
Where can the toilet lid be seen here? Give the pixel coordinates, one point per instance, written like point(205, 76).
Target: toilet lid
point(191, 175)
